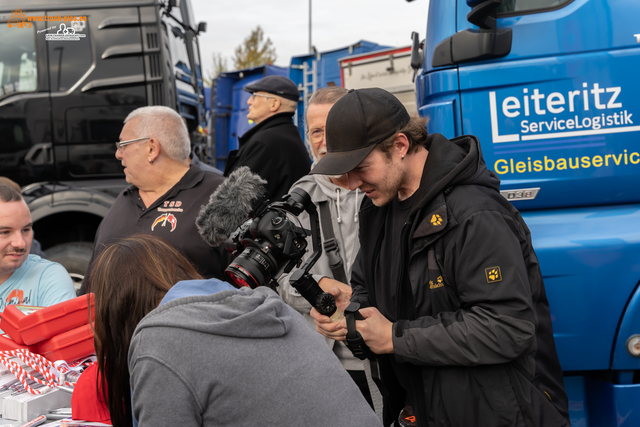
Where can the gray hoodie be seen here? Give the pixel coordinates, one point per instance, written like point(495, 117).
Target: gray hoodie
point(238, 358)
point(344, 206)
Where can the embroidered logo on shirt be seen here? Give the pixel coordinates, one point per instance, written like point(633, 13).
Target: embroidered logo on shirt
point(436, 220)
point(493, 274)
point(171, 206)
point(164, 219)
point(439, 283)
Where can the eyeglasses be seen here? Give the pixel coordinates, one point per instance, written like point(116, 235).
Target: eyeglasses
point(121, 144)
point(253, 96)
point(316, 135)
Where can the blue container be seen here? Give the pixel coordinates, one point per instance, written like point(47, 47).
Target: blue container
point(324, 70)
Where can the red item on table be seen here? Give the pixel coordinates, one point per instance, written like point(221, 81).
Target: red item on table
point(87, 401)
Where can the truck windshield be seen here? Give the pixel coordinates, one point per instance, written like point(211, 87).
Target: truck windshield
point(18, 71)
point(509, 6)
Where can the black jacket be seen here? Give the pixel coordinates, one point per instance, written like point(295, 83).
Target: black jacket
point(472, 336)
point(272, 149)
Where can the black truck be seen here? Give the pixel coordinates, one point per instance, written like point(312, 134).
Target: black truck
point(70, 72)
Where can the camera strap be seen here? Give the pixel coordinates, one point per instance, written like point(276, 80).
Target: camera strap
point(360, 349)
point(354, 340)
point(330, 244)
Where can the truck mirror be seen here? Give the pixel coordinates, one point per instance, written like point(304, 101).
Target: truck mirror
point(472, 45)
point(202, 27)
point(482, 14)
point(475, 45)
point(417, 55)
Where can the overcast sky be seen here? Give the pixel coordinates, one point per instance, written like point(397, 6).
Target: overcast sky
point(335, 24)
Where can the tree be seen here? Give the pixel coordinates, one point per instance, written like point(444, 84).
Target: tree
point(219, 66)
point(254, 52)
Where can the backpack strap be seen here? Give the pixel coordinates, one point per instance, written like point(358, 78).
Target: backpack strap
point(330, 244)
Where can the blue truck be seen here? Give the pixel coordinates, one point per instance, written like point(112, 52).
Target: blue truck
point(550, 88)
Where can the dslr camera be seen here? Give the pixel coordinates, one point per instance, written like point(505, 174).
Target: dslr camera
point(270, 243)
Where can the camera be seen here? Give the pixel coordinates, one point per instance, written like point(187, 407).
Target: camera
point(269, 243)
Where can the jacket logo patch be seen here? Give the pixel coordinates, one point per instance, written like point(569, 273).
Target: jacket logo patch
point(436, 220)
point(439, 283)
point(164, 219)
point(493, 274)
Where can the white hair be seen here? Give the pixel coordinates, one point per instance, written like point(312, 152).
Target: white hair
point(287, 105)
point(165, 125)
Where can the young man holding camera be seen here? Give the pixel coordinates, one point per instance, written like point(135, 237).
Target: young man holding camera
point(455, 306)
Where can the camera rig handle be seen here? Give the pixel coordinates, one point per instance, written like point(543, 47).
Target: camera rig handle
point(354, 340)
point(295, 203)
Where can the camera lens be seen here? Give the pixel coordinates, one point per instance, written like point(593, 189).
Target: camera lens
point(251, 268)
point(239, 276)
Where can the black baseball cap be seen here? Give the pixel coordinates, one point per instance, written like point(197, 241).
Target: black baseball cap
point(276, 85)
point(356, 123)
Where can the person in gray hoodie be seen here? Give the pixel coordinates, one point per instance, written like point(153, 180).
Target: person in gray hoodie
point(342, 205)
point(210, 354)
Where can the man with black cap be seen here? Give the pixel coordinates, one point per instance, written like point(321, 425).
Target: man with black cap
point(446, 277)
point(273, 148)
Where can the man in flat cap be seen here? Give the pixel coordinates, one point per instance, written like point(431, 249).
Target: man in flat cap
point(272, 148)
point(446, 277)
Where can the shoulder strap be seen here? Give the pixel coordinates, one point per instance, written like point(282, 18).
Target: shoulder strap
point(330, 244)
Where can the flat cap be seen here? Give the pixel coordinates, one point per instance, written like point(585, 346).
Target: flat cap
point(276, 85)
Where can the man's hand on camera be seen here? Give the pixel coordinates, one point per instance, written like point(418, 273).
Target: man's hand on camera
point(376, 330)
point(324, 325)
point(326, 284)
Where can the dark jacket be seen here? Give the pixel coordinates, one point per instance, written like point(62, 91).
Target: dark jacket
point(472, 336)
point(272, 149)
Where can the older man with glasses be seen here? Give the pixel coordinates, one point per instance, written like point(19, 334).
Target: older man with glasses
point(272, 148)
point(166, 190)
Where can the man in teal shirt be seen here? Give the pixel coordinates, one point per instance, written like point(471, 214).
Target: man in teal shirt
point(26, 279)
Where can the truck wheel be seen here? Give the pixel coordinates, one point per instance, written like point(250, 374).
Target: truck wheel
point(75, 257)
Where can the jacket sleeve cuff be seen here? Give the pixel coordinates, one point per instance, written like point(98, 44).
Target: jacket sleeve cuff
point(397, 337)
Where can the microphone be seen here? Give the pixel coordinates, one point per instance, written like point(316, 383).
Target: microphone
point(230, 205)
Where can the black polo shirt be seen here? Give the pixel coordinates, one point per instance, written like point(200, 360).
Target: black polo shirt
point(171, 217)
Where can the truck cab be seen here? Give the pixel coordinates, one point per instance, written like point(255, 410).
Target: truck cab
point(69, 75)
point(550, 89)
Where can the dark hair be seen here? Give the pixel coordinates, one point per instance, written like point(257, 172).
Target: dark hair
point(415, 131)
point(8, 194)
point(129, 279)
